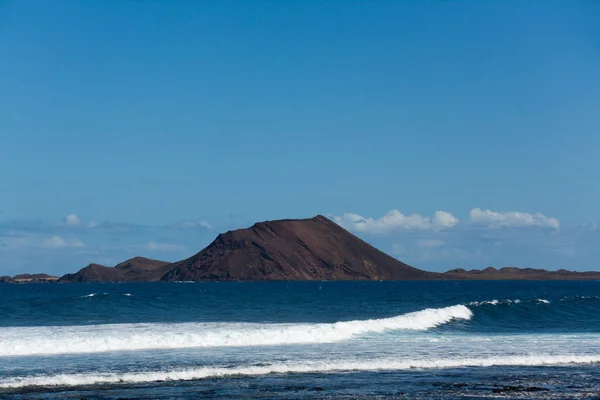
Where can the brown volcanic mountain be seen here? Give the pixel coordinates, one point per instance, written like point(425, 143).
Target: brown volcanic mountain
point(294, 249)
point(138, 269)
point(302, 249)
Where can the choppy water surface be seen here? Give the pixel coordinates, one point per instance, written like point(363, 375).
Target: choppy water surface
point(301, 340)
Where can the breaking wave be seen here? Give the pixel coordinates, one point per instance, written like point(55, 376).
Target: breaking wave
point(25, 341)
point(496, 302)
point(286, 368)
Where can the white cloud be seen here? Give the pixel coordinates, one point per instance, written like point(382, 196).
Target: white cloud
point(58, 242)
point(72, 220)
point(194, 224)
point(395, 220)
point(154, 246)
point(513, 219)
point(430, 243)
point(205, 224)
point(444, 219)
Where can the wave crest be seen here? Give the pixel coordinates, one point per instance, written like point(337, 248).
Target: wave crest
point(130, 337)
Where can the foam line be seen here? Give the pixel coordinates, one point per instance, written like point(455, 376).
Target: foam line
point(24, 341)
point(286, 368)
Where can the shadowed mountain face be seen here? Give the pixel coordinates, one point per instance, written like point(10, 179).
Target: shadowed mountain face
point(138, 269)
point(307, 249)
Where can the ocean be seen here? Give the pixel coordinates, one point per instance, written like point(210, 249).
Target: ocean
point(301, 340)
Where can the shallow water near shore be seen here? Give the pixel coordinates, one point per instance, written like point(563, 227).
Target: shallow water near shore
point(301, 340)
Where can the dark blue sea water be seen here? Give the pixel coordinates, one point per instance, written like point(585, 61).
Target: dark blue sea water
point(288, 340)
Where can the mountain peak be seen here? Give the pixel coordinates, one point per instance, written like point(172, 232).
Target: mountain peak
point(291, 249)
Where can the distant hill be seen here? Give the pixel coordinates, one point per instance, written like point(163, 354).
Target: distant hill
point(138, 269)
point(29, 278)
point(291, 249)
point(301, 249)
point(513, 273)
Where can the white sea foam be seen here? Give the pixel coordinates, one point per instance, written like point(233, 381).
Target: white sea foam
point(496, 302)
point(565, 298)
point(24, 341)
point(288, 367)
point(93, 295)
point(480, 303)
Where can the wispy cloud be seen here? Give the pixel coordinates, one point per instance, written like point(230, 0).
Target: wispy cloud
point(512, 219)
point(202, 224)
point(430, 243)
point(72, 220)
point(58, 242)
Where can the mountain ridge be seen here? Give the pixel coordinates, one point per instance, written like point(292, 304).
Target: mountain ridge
point(137, 269)
point(514, 273)
point(293, 249)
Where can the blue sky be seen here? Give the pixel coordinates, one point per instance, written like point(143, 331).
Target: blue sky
point(145, 128)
